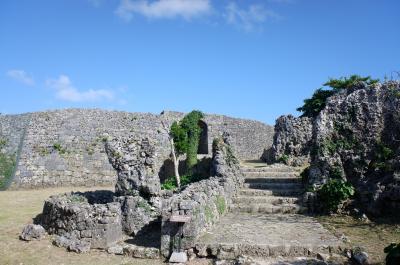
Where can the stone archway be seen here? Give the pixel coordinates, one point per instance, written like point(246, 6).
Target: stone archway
point(203, 141)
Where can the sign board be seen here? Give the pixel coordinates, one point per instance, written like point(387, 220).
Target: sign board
point(179, 218)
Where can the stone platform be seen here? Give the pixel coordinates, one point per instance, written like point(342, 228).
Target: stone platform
point(267, 235)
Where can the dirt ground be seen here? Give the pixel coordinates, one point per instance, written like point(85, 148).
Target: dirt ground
point(373, 236)
point(17, 208)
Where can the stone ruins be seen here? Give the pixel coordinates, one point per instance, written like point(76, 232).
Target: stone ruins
point(243, 209)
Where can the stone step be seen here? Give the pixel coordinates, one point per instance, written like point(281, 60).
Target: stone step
point(275, 200)
point(255, 192)
point(274, 186)
point(269, 169)
point(271, 174)
point(272, 180)
point(268, 208)
point(230, 251)
point(266, 235)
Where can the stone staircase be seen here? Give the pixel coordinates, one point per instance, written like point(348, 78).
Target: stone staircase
point(267, 219)
point(270, 190)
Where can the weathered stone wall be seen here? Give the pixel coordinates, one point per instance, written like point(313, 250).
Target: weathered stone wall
point(356, 137)
point(204, 202)
point(292, 141)
point(66, 147)
point(75, 217)
point(12, 130)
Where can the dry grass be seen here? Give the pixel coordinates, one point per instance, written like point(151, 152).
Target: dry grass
point(17, 208)
point(373, 236)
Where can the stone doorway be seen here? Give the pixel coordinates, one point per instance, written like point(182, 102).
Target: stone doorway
point(203, 141)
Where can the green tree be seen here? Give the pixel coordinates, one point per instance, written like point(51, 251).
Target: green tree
point(186, 135)
point(313, 106)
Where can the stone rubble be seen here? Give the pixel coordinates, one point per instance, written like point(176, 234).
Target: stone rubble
point(33, 232)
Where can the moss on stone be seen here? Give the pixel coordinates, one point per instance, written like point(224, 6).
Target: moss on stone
point(209, 214)
point(221, 204)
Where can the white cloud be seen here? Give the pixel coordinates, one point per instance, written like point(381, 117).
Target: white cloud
point(250, 18)
point(66, 91)
point(21, 76)
point(186, 9)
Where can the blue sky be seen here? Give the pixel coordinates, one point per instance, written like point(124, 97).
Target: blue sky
point(252, 59)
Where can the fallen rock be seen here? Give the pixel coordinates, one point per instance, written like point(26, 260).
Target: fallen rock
point(361, 258)
point(117, 250)
point(141, 252)
point(178, 257)
point(32, 232)
point(79, 246)
point(322, 256)
point(73, 245)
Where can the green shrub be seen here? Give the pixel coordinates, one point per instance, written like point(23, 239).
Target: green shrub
point(382, 155)
point(393, 254)
point(313, 106)
point(170, 182)
point(58, 147)
point(333, 193)
point(345, 83)
point(283, 159)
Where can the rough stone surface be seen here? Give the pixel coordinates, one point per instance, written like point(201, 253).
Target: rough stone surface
point(135, 162)
point(266, 235)
point(74, 217)
point(355, 137)
point(136, 213)
point(292, 141)
point(204, 201)
point(80, 134)
point(361, 258)
point(116, 250)
point(32, 232)
point(74, 245)
point(141, 252)
point(178, 257)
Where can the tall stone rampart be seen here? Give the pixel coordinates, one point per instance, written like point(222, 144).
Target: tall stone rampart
point(66, 147)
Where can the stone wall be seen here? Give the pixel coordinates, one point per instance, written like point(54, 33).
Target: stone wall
point(76, 217)
point(66, 147)
point(356, 137)
point(12, 130)
point(204, 202)
point(292, 141)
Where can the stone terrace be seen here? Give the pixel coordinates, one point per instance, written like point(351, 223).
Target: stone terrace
point(266, 220)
